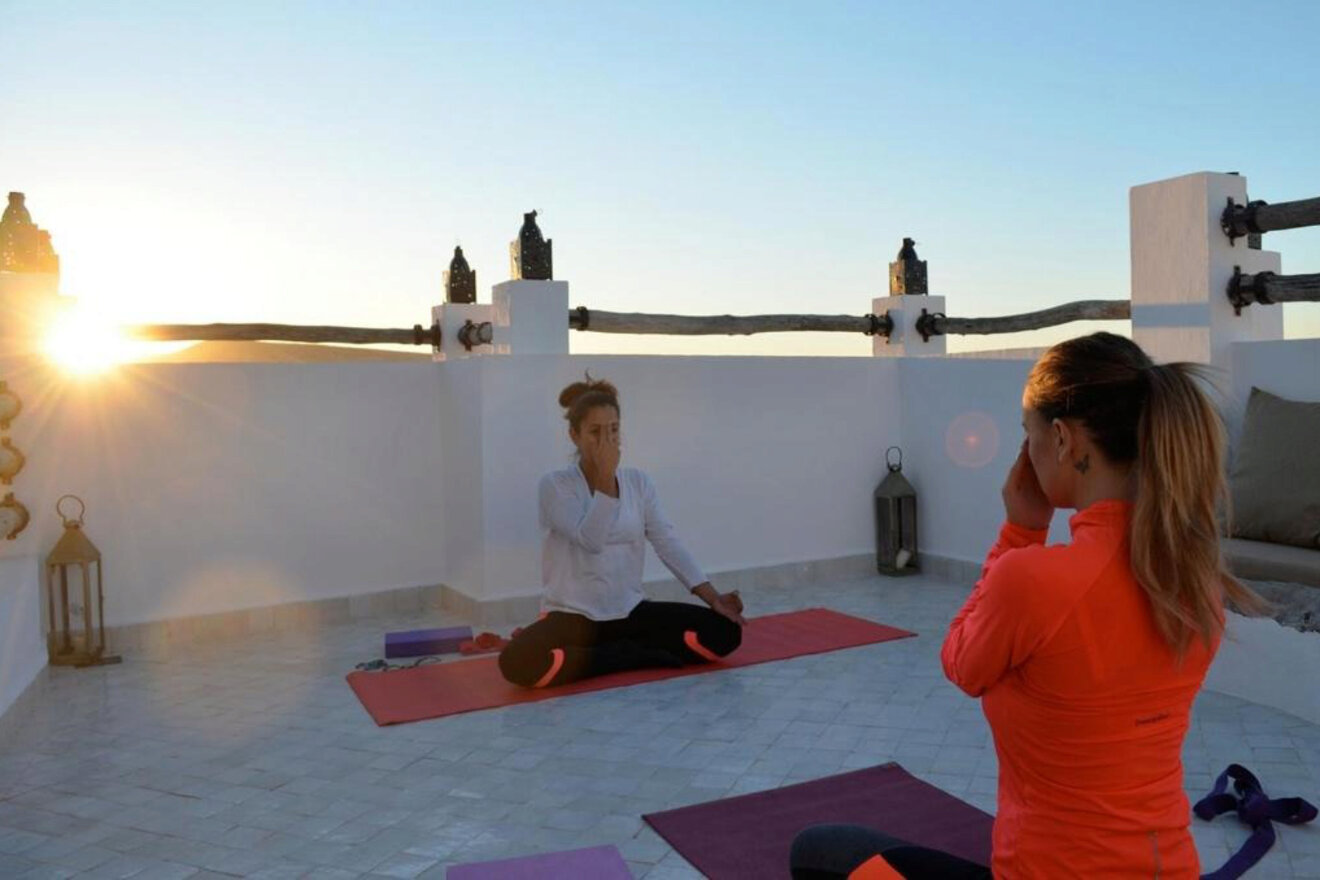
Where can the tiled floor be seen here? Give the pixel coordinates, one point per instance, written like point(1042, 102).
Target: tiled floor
point(256, 760)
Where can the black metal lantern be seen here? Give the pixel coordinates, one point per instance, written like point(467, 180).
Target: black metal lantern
point(907, 274)
point(895, 520)
point(460, 281)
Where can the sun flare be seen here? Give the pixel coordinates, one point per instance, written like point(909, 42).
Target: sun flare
point(85, 342)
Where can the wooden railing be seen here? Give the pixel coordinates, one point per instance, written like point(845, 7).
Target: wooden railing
point(594, 321)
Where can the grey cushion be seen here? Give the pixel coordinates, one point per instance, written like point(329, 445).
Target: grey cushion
point(1276, 472)
point(1259, 561)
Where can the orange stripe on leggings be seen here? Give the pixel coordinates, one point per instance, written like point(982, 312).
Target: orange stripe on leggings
point(875, 868)
point(690, 639)
point(556, 663)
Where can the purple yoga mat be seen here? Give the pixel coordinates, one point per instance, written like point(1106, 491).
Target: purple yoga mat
point(750, 836)
point(595, 863)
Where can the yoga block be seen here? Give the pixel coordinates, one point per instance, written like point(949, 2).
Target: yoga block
point(421, 642)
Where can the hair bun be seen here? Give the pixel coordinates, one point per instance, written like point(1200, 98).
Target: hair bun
point(572, 393)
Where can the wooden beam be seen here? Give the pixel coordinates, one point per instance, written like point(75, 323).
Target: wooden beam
point(1258, 217)
point(417, 335)
point(1268, 288)
point(1085, 310)
point(719, 325)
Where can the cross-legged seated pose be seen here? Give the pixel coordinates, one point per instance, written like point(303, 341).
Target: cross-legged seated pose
point(1086, 655)
point(597, 518)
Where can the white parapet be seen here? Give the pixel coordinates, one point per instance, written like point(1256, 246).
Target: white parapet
point(1181, 266)
point(531, 317)
point(452, 318)
point(29, 301)
point(23, 648)
point(904, 340)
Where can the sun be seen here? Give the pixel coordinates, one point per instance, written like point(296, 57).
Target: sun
point(85, 342)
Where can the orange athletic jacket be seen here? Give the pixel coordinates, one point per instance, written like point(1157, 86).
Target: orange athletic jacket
point(1088, 705)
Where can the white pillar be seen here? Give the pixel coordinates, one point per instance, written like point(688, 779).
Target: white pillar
point(452, 317)
point(904, 340)
point(531, 317)
point(1181, 265)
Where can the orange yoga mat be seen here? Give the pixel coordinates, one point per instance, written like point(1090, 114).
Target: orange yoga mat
point(403, 695)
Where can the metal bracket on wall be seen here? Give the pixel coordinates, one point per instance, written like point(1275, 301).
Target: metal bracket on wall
point(881, 325)
point(472, 334)
point(1239, 220)
point(926, 324)
point(1243, 290)
point(422, 335)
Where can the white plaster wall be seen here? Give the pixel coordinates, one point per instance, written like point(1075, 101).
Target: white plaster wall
point(458, 486)
point(22, 649)
point(219, 487)
point(1288, 368)
point(757, 460)
point(216, 487)
point(962, 427)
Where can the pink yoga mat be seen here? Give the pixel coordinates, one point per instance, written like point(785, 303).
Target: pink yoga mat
point(750, 836)
point(433, 691)
point(595, 863)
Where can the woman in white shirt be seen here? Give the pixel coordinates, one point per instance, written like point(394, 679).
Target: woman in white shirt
point(597, 518)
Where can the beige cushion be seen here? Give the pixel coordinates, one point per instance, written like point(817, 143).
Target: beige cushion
point(1276, 472)
point(1259, 561)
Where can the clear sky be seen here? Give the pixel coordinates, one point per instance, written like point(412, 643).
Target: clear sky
point(317, 162)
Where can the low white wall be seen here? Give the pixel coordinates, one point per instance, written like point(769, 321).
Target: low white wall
point(1264, 662)
point(757, 460)
point(217, 487)
point(22, 649)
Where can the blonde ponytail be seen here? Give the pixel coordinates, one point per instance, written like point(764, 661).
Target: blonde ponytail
point(1181, 491)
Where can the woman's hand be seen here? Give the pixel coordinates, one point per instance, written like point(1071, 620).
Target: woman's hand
point(729, 605)
point(603, 463)
point(1024, 500)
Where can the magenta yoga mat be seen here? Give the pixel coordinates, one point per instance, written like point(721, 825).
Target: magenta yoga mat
point(750, 836)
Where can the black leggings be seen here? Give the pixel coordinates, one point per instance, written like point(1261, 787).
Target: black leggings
point(563, 647)
point(832, 852)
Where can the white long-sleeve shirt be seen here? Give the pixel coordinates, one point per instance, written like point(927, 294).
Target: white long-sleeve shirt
point(595, 545)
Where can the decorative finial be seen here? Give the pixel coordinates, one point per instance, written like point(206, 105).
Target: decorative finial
point(530, 257)
point(24, 246)
point(460, 280)
point(907, 274)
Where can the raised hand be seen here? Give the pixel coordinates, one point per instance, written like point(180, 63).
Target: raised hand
point(1025, 501)
point(603, 464)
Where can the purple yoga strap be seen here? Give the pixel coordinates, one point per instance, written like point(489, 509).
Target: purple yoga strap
point(1254, 808)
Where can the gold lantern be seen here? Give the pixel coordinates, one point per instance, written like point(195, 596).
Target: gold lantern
point(70, 641)
point(10, 405)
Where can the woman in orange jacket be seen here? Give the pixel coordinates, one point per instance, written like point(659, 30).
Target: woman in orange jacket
point(1086, 655)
